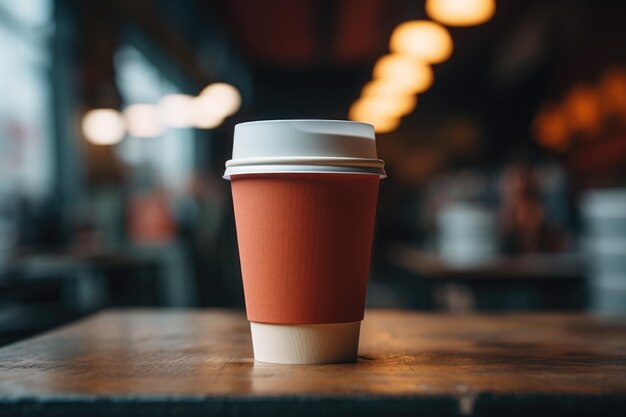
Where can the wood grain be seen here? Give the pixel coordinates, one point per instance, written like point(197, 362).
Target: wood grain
point(157, 362)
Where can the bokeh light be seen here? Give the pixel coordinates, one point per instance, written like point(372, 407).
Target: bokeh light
point(422, 39)
point(613, 92)
point(461, 12)
point(219, 99)
point(385, 125)
point(143, 120)
point(408, 74)
point(204, 114)
point(381, 123)
point(582, 108)
point(103, 126)
point(177, 110)
point(550, 127)
point(374, 107)
point(384, 87)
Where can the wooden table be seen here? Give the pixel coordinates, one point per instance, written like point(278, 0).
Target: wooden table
point(564, 266)
point(199, 363)
point(513, 282)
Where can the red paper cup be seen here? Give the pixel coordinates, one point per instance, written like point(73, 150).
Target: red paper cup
point(304, 244)
point(304, 229)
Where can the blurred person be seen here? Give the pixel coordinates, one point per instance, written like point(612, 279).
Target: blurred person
point(523, 219)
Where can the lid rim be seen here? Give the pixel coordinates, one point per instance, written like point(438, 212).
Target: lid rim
point(302, 120)
point(302, 169)
point(306, 160)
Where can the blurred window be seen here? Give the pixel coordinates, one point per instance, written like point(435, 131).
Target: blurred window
point(26, 153)
point(170, 155)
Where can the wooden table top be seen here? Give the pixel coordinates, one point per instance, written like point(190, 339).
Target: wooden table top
point(160, 362)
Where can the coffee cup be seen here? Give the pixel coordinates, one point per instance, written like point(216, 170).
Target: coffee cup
point(304, 195)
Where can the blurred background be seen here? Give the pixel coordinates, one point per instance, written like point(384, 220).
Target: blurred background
point(503, 126)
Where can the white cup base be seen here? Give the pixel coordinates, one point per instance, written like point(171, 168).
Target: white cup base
point(305, 343)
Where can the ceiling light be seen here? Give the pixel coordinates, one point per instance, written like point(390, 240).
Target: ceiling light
point(143, 120)
point(204, 114)
point(221, 99)
point(461, 12)
point(407, 73)
point(103, 126)
point(373, 107)
point(177, 110)
point(422, 39)
point(382, 125)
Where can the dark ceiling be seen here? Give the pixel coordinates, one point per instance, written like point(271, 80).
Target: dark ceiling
point(309, 33)
point(309, 59)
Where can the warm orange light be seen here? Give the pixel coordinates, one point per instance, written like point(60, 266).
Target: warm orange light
point(402, 73)
point(382, 125)
point(550, 128)
point(143, 120)
point(461, 12)
point(103, 126)
point(582, 108)
point(382, 111)
point(382, 87)
point(374, 107)
point(613, 92)
point(422, 39)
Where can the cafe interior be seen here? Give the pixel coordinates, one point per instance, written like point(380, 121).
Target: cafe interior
point(502, 127)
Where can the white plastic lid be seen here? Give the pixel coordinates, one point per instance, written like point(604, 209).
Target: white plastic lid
point(304, 146)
